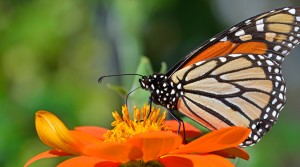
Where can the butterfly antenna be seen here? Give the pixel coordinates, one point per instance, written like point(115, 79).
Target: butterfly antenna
point(126, 100)
point(115, 75)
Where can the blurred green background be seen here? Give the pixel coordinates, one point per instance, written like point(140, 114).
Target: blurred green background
point(52, 53)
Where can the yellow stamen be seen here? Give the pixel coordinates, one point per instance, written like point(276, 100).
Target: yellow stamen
point(54, 133)
point(117, 116)
point(125, 127)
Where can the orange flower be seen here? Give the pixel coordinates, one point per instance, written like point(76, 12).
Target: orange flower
point(138, 141)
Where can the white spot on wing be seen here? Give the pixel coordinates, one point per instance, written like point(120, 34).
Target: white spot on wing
point(260, 27)
point(235, 55)
point(277, 47)
point(274, 101)
point(284, 52)
point(282, 88)
point(270, 55)
point(223, 59)
point(240, 33)
point(248, 22)
point(179, 86)
point(274, 113)
point(278, 106)
point(280, 96)
point(259, 63)
point(261, 21)
point(224, 39)
point(278, 78)
point(261, 57)
point(292, 11)
point(269, 69)
point(251, 57)
point(233, 29)
point(269, 62)
point(296, 41)
point(278, 58)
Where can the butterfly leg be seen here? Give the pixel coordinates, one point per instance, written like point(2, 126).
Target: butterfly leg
point(179, 120)
point(150, 104)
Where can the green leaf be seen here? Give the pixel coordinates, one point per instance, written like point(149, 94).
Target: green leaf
point(163, 68)
point(119, 89)
point(144, 67)
point(140, 97)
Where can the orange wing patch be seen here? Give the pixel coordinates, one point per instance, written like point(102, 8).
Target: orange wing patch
point(228, 47)
point(251, 48)
point(218, 49)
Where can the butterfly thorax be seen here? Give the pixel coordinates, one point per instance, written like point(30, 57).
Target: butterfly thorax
point(163, 90)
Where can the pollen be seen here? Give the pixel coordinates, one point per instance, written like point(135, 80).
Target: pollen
point(143, 121)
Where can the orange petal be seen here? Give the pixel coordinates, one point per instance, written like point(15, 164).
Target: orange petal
point(53, 132)
point(232, 153)
point(85, 139)
point(216, 140)
point(191, 160)
point(92, 130)
point(190, 130)
point(155, 144)
point(83, 161)
point(47, 154)
point(108, 164)
point(120, 152)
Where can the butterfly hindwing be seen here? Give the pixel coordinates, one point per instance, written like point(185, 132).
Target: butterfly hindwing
point(233, 90)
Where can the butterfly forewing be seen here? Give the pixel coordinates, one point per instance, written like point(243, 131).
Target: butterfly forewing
point(273, 34)
point(233, 90)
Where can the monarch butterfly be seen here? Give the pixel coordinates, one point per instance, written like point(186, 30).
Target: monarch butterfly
point(235, 78)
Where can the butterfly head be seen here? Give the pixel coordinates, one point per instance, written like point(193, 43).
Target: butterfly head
point(163, 91)
point(152, 82)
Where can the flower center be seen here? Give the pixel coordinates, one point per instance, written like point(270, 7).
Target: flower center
point(141, 123)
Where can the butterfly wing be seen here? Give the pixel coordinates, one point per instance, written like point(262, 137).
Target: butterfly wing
point(273, 34)
point(233, 90)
